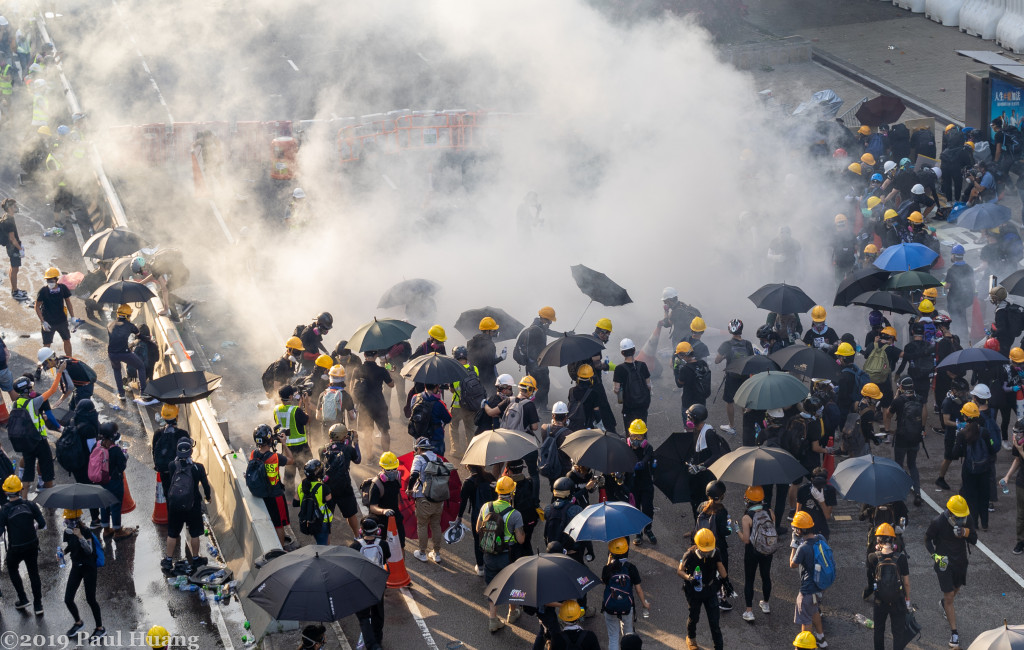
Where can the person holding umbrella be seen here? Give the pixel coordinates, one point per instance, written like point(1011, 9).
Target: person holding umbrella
point(947, 540)
point(557, 515)
point(602, 332)
point(620, 578)
point(584, 403)
point(371, 619)
point(528, 347)
point(702, 572)
point(483, 353)
point(498, 525)
point(368, 391)
point(83, 549)
point(707, 447)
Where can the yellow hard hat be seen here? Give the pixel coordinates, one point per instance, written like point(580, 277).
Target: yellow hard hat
point(324, 361)
point(337, 371)
point(531, 383)
point(970, 410)
point(1017, 355)
point(637, 428)
point(845, 350)
point(871, 249)
point(547, 313)
point(12, 484)
point(871, 390)
point(488, 324)
point(586, 371)
point(158, 637)
point(818, 314)
point(890, 214)
point(873, 201)
point(864, 130)
point(684, 348)
point(805, 640)
point(44, 130)
point(949, 127)
point(124, 310)
point(916, 217)
point(294, 343)
point(958, 506)
point(926, 306)
point(604, 324)
point(868, 159)
point(889, 331)
point(388, 460)
point(169, 412)
point(802, 520)
point(970, 144)
point(437, 333)
point(618, 546)
point(840, 219)
point(754, 493)
point(569, 611)
point(70, 513)
point(704, 539)
point(885, 530)
point(697, 324)
point(505, 485)
point(931, 293)
point(51, 273)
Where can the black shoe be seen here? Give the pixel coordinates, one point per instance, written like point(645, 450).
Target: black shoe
point(166, 564)
point(941, 482)
point(724, 605)
point(38, 609)
point(21, 604)
point(651, 537)
point(74, 628)
point(1019, 548)
point(98, 633)
point(917, 499)
point(639, 541)
point(198, 562)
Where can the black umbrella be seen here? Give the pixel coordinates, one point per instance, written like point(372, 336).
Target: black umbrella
point(183, 387)
point(380, 334)
point(468, 323)
point(972, 359)
point(770, 390)
point(883, 109)
point(873, 480)
point(120, 269)
point(983, 216)
point(599, 450)
point(860, 281)
point(885, 301)
point(569, 349)
point(407, 291)
point(498, 446)
point(76, 496)
point(1014, 283)
point(434, 368)
point(672, 477)
point(112, 242)
point(599, 287)
point(807, 362)
point(758, 466)
point(751, 365)
point(782, 299)
point(318, 583)
point(536, 580)
point(121, 292)
point(910, 280)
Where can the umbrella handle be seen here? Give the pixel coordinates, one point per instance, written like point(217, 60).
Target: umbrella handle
point(583, 314)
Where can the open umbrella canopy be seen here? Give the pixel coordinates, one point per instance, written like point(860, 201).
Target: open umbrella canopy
point(468, 323)
point(112, 242)
point(1004, 637)
point(120, 268)
point(758, 466)
point(536, 580)
point(904, 257)
point(807, 362)
point(672, 477)
point(498, 446)
point(434, 368)
point(870, 479)
point(883, 109)
point(885, 301)
point(599, 287)
point(751, 365)
point(860, 281)
point(599, 450)
point(76, 496)
point(972, 359)
point(983, 216)
point(406, 292)
point(1014, 283)
point(782, 299)
point(912, 280)
point(603, 522)
point(318, 583)
point(121, 292)
point(569, 349)
point(380, 334)
point(183, 387)
point(770, 390)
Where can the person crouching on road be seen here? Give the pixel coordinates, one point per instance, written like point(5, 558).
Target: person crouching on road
point(702, 571)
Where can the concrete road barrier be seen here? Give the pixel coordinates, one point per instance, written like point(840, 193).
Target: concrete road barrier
point(980, 17)
point(946, 12)
point(1010, 30)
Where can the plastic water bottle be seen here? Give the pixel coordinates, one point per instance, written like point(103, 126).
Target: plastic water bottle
point(202, 595)
point(60, 558)
point(189, 587)
point(217, 576)
point(865, 621)
point(246, 625)
point(360, 644)
point(698, 580)
point(211, 549)
point(728, 524)
point(1003, 484)
point(76, 323)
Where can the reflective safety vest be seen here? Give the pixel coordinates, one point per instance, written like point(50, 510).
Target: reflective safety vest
point(456, 393)
point(272, 466)
point(53, 163)
point(24, 41)
point(37, 418)
point(5, 81)
point(40, 111)
point(328, 513)
point(285, 416)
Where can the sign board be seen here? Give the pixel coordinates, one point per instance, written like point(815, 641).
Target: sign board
point(1006, 99)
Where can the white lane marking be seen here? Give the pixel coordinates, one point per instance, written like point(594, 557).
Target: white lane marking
point(981, 547)
point(341, 635)
point(145, 66)
point(390, 182)
point(223, 224)
point(414, 609)
point(222, 627)
point(292, 64)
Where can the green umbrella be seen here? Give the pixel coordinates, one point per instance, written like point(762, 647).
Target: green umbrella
point(909, 280)
point(770, 390)
point(380, 334)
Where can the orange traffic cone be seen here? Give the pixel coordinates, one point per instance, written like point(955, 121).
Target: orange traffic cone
point(127, 502)
point(160, 505)
point(397, 576)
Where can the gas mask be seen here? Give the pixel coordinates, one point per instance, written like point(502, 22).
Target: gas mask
point(956, 522)
point(705, 554)
point(637, 442)
point(392, 474)
point(690, 424)
point(819, 327)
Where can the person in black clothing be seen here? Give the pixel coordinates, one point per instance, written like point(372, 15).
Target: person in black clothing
point(536, 339)
point(876, 322)
point(572, 636)
point(922, 143)
point(949, 413)
point(960, 289)
point(312, 337)
point(771, 341)
point(641, 479)
point(753, 560)
point(559, 428)
point(952, 163)
point(678, 315)
point(817, 498)
point(385, 495)
point(844, 248)
point(53, 308)
point(192, 517)
point(947, 539)
point(283, 370)
point(771, 436)
point(692, 375)
point(621, 624)
point(524, 500)
point(495, 405)
point(602, 332)
point(165, 444)
point(702, 572)
point(368, 391)
point(146, 349)
point(87, 427)
point(81, 552)
point(477, 489)
point(337, 457)
point(918, 359)
point(117, 350)
point(632, 383)
point(707, 447)
point(77, 380)
point(369, 543)
point(894, 514)
point(946, 343)
point(19, 520)
point(974, 472)
point(110, 517)
point(484, 354)
point(434, 343)
point(713, 516)
point(909, 432)
point(888, 568)
point(584, 405)
point(12, 243)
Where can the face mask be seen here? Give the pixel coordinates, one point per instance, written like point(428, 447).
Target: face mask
point(292, 359)
point(635, 443)
point(392, 474)
point(819, 327)
point(690, 424)
point(51, 283)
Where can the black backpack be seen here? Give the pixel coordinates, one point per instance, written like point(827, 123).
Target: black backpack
point(577, 418)
point(181, 493)
point(311, 520)
point(421, 418)
point(1015, 316)
point(706, 519)
point(888, 584)
point(636, 391)
point(549, 462)
point(21, 429)
point(256, 478)
point(976, 455)
point(72, 453)
point(337, 463)
point(554, 526)
point(471, 392)
point(909, 429)
point(703, 373)
point(520, 353)
point(165, 448)
point(367, 486)
point(794, 438)
point(1013, 141)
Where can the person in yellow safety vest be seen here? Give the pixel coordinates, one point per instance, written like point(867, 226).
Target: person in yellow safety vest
point(463, 414)
point(313, 486)
point(38, 410)
point(293, 421)
point(40, 105)
point(23, 47)
point(6, 85)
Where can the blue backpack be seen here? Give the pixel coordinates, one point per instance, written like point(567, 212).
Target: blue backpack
point(97, 547)
point(824, 565)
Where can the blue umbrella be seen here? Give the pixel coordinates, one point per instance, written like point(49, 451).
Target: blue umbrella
point(606, 521)
point(972, 359)
point(983, 216)
point(904, 257)
point(873, 480)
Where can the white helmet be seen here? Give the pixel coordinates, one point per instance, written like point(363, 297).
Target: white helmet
point(981, 391)
point(626, 344)
point(938, 172)
point(889, 166)
point(44, 354)
point(297, 193)
point(669, 292)
point(560, 408)
point(39, 84)
point(4, 22)
point(505, 380)
point(917, 189)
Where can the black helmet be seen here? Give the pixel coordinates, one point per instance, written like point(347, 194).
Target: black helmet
point(108, 431)
point(460, 353)
point(313, 468)
point(262, 434)
point(1018, 425)
point(811, 404)
point(184, 448)
point(369, 526)
point(735, 326)
point(907, 383)
point(562, 487)
point(917, 329)
point(337, 432)
point(715, 489)
point(959, 383)
point(325, 321)
point(764, 332)
point(22, 384)
point(697, 413)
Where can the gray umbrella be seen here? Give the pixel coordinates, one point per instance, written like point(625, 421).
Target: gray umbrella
point(758, 466)
point(407, 291)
